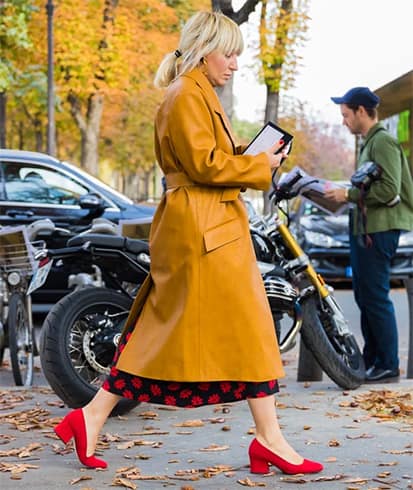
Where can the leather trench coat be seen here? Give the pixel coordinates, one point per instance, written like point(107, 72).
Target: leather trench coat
point(205, 316)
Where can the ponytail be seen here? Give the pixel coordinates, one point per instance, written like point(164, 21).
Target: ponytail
point(167, 71)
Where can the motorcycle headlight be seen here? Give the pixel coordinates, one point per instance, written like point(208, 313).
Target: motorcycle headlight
point(13, 278)
point(406, 239)
point(321, 240)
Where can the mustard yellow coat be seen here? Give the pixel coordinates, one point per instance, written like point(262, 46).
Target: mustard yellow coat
point(206, 317)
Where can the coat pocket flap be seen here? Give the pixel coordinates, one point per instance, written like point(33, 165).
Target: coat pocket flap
point(230, 194)
point(222, 234)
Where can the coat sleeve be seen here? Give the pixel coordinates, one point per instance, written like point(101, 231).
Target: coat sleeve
point(192, 130)
point(385, 152)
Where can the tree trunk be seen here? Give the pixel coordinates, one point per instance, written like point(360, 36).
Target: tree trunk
point(89, 128)
point(226, 97)
point(3, 104)
point(38, 134)
point(272, 105)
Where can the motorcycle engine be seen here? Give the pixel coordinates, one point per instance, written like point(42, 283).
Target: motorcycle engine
point(280, 293)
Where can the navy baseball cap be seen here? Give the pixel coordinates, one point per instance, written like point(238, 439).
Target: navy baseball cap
point(358, 96)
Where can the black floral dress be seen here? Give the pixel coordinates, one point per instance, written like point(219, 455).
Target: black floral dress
point(182, 393)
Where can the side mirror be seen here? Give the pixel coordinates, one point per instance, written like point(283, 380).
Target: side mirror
point(90, 201)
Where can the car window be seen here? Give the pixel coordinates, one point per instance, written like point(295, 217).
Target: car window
point(42, 185)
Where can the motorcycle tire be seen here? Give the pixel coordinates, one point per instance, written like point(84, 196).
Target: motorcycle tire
point(70, 362)
point(21, 343)
point(338, 355)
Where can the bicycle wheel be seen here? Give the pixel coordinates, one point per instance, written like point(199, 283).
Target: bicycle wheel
point(20, 340)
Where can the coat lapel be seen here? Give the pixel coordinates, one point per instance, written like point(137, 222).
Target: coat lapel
point(214, 101)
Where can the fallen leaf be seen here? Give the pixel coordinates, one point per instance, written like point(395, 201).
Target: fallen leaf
point(190, 423)
point(122, 482)
point(80, 478)
point(334, 443)
point(249, 483)
point(214, 447)
point(148, 415)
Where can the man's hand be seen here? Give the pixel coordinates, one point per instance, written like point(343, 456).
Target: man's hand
point(336, 195)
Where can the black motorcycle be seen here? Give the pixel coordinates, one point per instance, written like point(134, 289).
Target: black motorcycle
point(82, 330)
point(300, 300)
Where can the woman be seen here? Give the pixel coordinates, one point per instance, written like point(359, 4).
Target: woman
point(204, 333)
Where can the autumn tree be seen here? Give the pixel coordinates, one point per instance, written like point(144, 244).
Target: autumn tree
point(14, 43)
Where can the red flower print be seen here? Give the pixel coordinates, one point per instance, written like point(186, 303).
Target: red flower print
point(241, 387)
point(106, 385)
point(114, 373)
point(185, 393)
point(128, 336)
point(155, 390)
point(119, 384)
point(170, 400)
point(122, 347)
point(261, 394)
point(204, 386)
point(174, 386)
point(127, 394)
point(137, 383)
point(272, 384)
point(214, 399)
point(143, 398)
point(196, 401)
point(225, 386)
point(238, 395)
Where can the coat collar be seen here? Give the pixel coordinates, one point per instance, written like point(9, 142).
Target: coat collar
point(202, 81)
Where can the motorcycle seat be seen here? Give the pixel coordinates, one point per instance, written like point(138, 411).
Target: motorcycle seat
point(131, 245)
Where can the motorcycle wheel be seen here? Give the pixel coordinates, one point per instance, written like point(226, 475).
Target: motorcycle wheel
point(77, 344)
point(21, 344)
point(338, 355)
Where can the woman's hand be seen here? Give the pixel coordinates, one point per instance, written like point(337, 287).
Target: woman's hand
point(275, 159)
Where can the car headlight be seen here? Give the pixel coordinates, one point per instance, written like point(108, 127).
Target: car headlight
point(406, 239)
point(322, 240)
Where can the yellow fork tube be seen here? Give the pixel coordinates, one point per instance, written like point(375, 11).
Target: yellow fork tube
point(316, 280)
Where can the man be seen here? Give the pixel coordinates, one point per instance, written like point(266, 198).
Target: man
point(379, 217)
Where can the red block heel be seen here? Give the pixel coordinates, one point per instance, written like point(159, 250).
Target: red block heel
point(261, 458)
point(73, 425)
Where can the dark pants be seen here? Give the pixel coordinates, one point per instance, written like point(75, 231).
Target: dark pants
point(371, 285)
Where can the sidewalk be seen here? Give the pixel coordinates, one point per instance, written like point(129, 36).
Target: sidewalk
point(153, 447)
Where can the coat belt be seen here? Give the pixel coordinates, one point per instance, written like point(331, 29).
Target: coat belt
point(177, 179)
point(180, 179)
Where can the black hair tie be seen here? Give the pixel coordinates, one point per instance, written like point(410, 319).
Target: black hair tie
point(178, 53)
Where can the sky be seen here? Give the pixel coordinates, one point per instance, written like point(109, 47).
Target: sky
point(350, 43)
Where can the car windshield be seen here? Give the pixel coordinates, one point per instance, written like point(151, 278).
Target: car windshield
point(98, 182)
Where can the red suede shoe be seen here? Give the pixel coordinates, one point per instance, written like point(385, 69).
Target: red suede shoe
point(73, 425)
point(261, 458)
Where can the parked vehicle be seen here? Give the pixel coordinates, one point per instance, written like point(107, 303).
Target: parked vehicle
point(325, 239)
point(36, 186)
point(81, 331)
point(17, 246)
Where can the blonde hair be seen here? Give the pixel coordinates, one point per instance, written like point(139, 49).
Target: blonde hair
point(202, 34)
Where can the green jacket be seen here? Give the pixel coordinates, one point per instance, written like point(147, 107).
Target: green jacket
point(380, 147)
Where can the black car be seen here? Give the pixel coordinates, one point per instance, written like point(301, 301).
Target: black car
point(35, 186)
point(325, 239)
